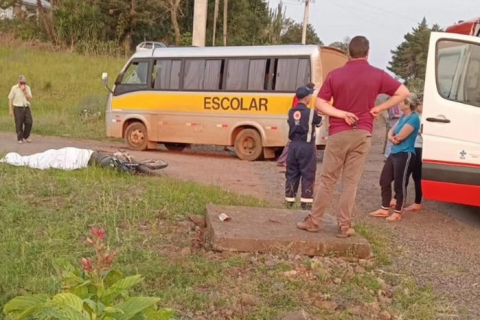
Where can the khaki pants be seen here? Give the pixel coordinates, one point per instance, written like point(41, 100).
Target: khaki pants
point(345, 151)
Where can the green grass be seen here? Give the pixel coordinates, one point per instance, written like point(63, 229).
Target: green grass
point(63, 84)
point(45, 216)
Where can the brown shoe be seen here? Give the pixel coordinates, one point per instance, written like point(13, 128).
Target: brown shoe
point(308, 225)
point(345, 232)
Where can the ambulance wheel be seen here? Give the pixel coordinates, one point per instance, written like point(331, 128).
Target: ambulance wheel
point(136, 136)
point(248, 145)
point(175, 146)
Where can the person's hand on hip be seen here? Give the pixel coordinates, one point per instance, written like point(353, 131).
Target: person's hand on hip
point(350, 118)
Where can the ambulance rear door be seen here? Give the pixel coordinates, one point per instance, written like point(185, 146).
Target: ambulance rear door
point(451, 120)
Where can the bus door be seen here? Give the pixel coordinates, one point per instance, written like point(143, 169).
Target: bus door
point(451, 120)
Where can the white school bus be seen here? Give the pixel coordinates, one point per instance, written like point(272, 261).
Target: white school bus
point(451, 118)
point(224, 96)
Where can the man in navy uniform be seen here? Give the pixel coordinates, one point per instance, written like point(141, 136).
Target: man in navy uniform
point(301, 159)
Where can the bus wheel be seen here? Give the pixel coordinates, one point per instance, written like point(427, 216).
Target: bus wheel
point(136, 136)
point(248, 145)
point(175, 146)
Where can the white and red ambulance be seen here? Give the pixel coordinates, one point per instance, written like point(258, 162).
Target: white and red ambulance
point(451, 116)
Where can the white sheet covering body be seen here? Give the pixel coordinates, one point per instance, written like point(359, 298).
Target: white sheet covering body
point(64, 159)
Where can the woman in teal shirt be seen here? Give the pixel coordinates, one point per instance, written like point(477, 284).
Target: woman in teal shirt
point(399, 164)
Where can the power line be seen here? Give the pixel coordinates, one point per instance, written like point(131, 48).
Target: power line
point(386, 11)
point(377, 22)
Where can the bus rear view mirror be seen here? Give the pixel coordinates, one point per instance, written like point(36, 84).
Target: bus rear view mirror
point(105, 81)
point(105, 78)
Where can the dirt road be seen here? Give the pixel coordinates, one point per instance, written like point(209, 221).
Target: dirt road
point(439, 246)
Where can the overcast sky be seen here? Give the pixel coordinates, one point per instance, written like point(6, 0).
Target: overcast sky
point(384, 22)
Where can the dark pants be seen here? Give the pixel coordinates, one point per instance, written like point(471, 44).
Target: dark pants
point(397, 169)
point(417, 176)
point(23, 122)
point(301, 165)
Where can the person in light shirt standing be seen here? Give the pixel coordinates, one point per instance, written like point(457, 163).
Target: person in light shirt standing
point(19, 100)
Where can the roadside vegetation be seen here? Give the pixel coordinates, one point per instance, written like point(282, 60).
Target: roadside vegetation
point(45, 225)
point(69, 98)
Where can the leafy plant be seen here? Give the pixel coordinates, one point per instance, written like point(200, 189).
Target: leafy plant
point(97, 292)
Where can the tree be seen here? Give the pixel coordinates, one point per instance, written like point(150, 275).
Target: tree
point(276, 25)
point(215, 18)
point(246, 21)
point(124, 23)
point(292, 33)
point(342, 45)
point(174, 8)
point(409, 59)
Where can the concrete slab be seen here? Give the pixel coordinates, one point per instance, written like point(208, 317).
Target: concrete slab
point(270, 230)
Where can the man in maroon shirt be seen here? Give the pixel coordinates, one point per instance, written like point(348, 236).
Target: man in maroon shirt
point(354, 89)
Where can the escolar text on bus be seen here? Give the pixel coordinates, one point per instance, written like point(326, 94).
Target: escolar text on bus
point(243, 104)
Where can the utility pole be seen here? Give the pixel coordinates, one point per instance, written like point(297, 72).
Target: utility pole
point(305, 21)
point(215, 18)
point(225, 18)
point(199, 23)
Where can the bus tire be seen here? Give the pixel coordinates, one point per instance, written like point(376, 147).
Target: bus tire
point(248, 145)
point(175, 146)
point(136, 136)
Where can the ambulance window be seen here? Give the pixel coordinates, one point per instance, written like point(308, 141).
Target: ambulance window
point(212, 79)
point(256, 75)
point(136, 73)
point(458, 71)
point(447, 66)
point(237, 74)
point(193, 74)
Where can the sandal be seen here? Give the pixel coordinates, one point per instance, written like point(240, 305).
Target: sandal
point(414, 207)
point(394, 217)
point(380, 213)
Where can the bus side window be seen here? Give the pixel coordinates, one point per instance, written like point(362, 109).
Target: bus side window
point(257, 75)
point(166, 74)
point(175, 74)
point(289, 74)
point(303, 73)
point(213, 75)
point(237, 74)
point(268, 73)
point(194, 74)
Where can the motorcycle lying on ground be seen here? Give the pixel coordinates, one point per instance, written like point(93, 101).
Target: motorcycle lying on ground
point(124, 162)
